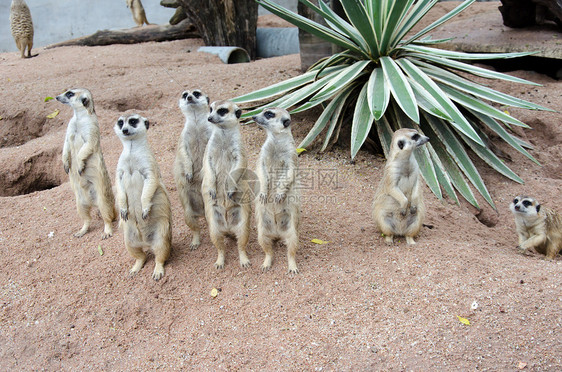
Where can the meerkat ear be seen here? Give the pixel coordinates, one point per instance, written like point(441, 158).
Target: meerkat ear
point(146, 123)
point(400, 144)
point(238, 113)
point(85, 101)
point(286, 122)
point(538, 208)
point(208, 100)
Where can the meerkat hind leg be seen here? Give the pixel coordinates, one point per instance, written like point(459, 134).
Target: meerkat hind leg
point(242, 240)
point(266, 244)
point(218, 241)
point(292, 245)
point(84, 212)
point(193, 225)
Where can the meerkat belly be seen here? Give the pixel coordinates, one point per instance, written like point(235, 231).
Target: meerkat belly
point(133, 183)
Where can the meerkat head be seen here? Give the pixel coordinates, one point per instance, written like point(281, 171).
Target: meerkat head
point(131, 127)
point(224, 114)
point(405, 140)
point(78, 99)
point(525, 206)
point(274, 119)
point(194, 99)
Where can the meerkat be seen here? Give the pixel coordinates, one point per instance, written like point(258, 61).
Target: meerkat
point(277, 205)
point(146, 214)
point(139, 16)
point(537, 227)
point(82, 159)
point(21, 26)
point(398, 207)
point(189, 158)
point(224, 187)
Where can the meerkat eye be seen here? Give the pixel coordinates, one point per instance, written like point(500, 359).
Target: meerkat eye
point(133, 122)
point(69, 94)
point(527, 203)
point(222, 111)
point(184, 95)
point(269, 115)
point(416, 137)
point(120, 123)
point(400, 144)
point(196, 94)
point(515, 201)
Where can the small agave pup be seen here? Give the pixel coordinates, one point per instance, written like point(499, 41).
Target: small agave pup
point(277, 204)
point(398, 207)
point(537, 227)
point(146, 215)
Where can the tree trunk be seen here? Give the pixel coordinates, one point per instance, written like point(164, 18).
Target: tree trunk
point(224, 22)
point(183, 30)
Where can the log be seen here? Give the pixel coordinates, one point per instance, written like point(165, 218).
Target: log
point(525, 13)
point(224, 22)
point(183, 30)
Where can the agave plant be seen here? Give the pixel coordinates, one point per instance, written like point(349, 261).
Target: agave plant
point(385, 76)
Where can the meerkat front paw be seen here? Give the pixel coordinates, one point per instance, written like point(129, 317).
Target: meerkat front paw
point(81, 168)
point(262, 197)
point(124, 214)
point(403, 212)
point(213, 194)
point(145, 213)
point(189, 177)
point(66, 168)
point(413, 209)
point(280, 197)
point(230, 195)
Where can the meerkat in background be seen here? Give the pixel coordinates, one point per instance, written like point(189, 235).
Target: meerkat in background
point(277, 204)
point(225, 190)
point(189, 158)
point(145, 210)
point(83, 161)
point(139, 16)
point(21, 26)
point(537, 227)
point(398, 207)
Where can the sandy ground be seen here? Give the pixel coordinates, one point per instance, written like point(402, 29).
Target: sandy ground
point(356, 305)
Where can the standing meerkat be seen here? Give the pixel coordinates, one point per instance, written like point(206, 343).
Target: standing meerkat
point(277, 204)
point(139, 16)
point(83, 161)
point(145, 209)
point(398, 207)
point(21, 26)
point(224, 188)
point(189, 158)
point(537, 227)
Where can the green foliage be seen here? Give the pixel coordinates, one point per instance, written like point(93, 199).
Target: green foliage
point(383, 78)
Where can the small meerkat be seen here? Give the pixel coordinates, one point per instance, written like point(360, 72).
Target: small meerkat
point(139, 16)
point(145, 210)
point(537, 227)
point(21, 26)
point(82, 159)
point(225, 188)
point(277, 205)
point(398, 207)
point(189, 158)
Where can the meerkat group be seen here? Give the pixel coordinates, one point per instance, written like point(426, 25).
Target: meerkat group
point(213, 181)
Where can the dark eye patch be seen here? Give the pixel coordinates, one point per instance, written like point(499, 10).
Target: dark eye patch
point(120, 123)
point(133, 122)
point(184, 95)
point(515, 201)
point(222, 111)
point(527, 203)
point(269, 115)
point(69, 94)
point(196, 94)
point(416, 137)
